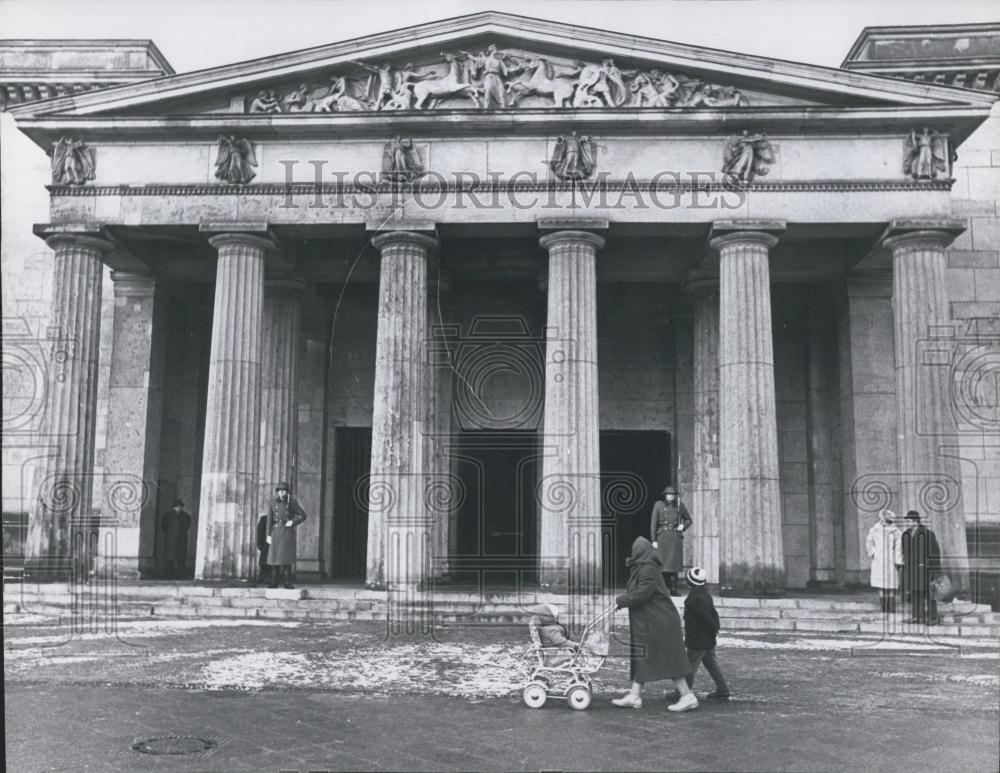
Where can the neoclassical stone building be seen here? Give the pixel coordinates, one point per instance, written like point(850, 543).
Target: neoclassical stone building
point(481, 288)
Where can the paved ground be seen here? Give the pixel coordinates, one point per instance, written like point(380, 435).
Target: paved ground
point(294, 696)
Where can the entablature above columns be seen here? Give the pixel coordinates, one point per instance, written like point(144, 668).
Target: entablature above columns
point(503, 250)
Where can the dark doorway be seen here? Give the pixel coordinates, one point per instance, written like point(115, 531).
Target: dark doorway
point(635, 466)
point(496, 535)
point(350, 506)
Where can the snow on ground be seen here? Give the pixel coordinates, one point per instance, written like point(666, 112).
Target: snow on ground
point(139, 629)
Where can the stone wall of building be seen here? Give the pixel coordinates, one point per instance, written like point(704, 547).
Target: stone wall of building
point(635, 355)
point(973, 281)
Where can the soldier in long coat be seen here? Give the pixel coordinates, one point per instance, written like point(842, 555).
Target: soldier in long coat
point(657, 644)
point(283, 518)
point(669, 521)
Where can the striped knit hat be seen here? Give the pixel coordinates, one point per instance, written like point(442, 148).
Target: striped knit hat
point(695, 576)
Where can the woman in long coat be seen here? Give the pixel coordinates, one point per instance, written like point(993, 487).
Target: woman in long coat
point(885, 549)
point(657, 644)
point(667, 524)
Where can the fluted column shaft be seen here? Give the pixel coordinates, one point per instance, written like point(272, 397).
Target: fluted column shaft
point(135, 402)
point(570, 487)
point(398, 523)
point(706, 427)
point(279, 392)
point(930, 479)
point(69, 422)
point(443, 487)
point(229, 478)
point(752, 557)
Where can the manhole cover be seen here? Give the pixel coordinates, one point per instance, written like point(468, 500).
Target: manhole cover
point(174, 744)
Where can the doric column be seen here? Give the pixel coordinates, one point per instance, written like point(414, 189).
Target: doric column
point(443, 492)
point(229, 477)
point(135, 402)
point(64, 488)
point(752, 557)
point(825, 517)
point(704, 290)
point(279, 403)
point(398, 533)
point(867, 417)
point(930, 477)
point(570, 487)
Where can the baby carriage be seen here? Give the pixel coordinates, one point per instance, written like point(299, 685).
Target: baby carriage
point(563, 672)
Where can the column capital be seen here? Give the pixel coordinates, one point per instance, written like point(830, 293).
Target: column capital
point(701, 283)
point(911, 234)
point(291, 282)
point(220, 240)
point(398, 236)
point(754, 231)
point(131, 283)
point(573, 236)
point(84, 234)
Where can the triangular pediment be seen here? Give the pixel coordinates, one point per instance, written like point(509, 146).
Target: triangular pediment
point(495, 61)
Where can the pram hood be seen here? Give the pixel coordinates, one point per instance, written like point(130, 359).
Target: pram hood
point(547, 614)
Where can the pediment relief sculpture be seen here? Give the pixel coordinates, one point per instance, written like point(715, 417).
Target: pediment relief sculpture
point(926, 156)
point(494, 79)
point(73, 163)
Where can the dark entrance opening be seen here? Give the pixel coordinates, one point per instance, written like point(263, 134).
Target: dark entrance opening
point(635, 466)
point(350, 513)
point(496, 540)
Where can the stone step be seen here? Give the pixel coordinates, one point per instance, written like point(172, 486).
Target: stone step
point(808, 615)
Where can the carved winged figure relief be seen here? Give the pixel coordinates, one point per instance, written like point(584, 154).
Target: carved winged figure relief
point(401, 161)
point(747, 156)
point(73, 163)
point(574, 158)
point(235, 160)
point(926, 155)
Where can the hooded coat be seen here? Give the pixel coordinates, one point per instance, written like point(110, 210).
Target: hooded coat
point(657, 644)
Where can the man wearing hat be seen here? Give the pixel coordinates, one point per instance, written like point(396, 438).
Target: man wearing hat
point(283, 518)
point(921, 563)
point(175, 525)
point(666, 529)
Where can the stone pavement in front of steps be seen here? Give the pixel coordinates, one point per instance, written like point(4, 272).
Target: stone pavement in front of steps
point(796, 612)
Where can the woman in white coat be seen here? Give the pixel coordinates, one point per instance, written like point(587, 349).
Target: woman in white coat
point(884, 546)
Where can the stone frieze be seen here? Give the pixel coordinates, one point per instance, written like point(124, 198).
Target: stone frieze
point(492, 79)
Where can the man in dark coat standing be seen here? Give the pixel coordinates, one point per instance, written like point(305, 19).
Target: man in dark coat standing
point(667, 524)
point(283, 518)
point(263, 569)
point(175, 524)
point(921, 564)
point(657, 645)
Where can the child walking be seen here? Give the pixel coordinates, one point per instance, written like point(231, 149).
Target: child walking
point(701, 627)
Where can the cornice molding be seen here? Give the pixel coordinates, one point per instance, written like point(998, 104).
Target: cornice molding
point(699, 60)
point(613, 186)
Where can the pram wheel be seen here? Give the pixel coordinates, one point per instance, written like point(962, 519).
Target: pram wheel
point(578, 696)
point(534, 695)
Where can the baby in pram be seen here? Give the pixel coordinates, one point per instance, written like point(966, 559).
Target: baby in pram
point(552, 635)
